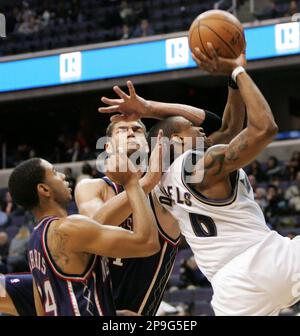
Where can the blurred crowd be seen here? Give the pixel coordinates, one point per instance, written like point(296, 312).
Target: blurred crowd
point(279, 8)
point(27, 19)
point(34, 25)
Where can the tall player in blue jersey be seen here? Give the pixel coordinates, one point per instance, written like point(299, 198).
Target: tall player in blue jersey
point(67, 254)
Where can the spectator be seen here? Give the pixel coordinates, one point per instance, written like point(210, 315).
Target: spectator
point(276, 204)
point(126, 32)
point(29, 26)
point(86, 171)
point(17, 260)
point(256, 170)
point(143, 29)
point(292, 195)
point(260, 198)
point(293, 166)
point(70, 178)
point(274, 10)
point(273, 168)
point(126, 13)
point(74, 153)
point(293, 8)
point(12, 20)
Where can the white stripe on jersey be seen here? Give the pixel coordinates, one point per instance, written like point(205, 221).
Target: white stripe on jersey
point(73, 298)
point(96, 296)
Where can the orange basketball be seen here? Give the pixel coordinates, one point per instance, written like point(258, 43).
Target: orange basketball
point(222, 29)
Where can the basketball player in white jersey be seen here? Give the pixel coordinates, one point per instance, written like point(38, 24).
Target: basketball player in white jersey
point(253, 271)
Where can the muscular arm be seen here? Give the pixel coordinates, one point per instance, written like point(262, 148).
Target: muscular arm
point(96, 200)
point(134, 107)
point(88, 236)
point(233, 119)
point(221, 160)
point(159, 110)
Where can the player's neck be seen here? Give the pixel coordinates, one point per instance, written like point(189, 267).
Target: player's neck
point(49, 210)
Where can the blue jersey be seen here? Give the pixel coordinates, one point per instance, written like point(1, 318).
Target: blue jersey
point(87, 294)
point(139, 283)
point(19, 287)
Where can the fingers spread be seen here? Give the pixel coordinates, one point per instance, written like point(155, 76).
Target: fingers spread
point(120, 93)
point(131, 89)
point(109, 109)
point(109, 101)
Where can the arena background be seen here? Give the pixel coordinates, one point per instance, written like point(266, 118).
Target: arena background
point(61, 122)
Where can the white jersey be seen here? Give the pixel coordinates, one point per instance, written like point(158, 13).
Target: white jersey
point(217, 231)
point(232, 245)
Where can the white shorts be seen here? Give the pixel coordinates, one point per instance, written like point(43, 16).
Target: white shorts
point(261, 281)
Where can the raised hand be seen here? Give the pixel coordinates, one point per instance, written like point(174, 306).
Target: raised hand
point(217, 65)
point(155, 168)
point(121, 170)
point(131, 107)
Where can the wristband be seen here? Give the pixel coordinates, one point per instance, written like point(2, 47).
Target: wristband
point(211, 123)
point(232, 84)
point(236, 72)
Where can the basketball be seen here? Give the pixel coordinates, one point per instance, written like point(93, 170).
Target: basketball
point(222, 29)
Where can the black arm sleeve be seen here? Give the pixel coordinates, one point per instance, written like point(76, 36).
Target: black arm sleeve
point(211, 123)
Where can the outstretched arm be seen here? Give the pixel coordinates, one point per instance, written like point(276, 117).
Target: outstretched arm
point(133, 107)
point(260, 131)
point(84, 235)
point(233, 119)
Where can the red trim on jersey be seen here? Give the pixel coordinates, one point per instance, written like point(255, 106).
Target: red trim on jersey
point(170, 242)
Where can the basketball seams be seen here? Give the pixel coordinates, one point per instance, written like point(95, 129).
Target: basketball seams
point(203, 46)
point(226, 43)
point(227, 21)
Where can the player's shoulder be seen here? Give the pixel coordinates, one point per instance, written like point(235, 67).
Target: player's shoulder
point(72, 224)
point(90, 186)
point(90, 183)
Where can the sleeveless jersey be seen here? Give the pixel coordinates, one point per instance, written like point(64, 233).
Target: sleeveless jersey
point(87, 294)
point(217, 231)
point(139, 283)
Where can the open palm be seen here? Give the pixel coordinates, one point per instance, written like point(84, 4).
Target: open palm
point(130, 107)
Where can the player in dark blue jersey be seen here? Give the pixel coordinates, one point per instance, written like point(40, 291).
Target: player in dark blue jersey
point(67, 254)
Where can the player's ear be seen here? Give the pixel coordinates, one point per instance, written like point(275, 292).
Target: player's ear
point(108, 148)
point(43, 190)
point(176, 139)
